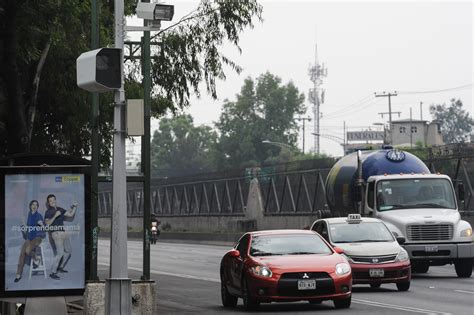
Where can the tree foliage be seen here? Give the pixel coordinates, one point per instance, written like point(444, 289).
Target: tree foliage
point(42, 109)
point(264, 110)
point(455, 122)
point(179, 147)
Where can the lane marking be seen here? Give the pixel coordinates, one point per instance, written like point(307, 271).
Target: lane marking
point(463, 291)
point(398, 307)
point(163, 273)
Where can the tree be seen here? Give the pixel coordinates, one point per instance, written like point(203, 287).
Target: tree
point(179, 147)
point(264, 110)
point(454, 121)
point(41, 108)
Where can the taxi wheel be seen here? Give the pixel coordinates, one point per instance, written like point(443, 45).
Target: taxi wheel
point(342, 303)
point(463, 268)
point(228, 300)
point(250, 303)
point(375, 285)
point(403, 286)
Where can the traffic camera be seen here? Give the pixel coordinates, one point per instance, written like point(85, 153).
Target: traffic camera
point(155, 11)
point(99, 70)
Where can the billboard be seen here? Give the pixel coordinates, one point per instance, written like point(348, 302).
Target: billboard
point(44, 235)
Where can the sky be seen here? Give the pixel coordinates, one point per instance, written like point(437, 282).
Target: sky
point(366, 46)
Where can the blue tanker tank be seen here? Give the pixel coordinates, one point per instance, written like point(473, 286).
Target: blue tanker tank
point(341, 181)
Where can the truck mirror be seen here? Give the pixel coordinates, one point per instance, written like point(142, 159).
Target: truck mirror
point(461, 191)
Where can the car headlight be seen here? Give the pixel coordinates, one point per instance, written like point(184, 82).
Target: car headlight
point(402, 255)
point(466, 232)
point(342, 269)
point(262, 271)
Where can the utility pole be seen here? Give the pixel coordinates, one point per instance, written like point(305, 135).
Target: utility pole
point(303, 119)
point(316, 73)
point(389, 95)
point(411, 131)
point(118, 288)
point(344, 136)
point(421, 110)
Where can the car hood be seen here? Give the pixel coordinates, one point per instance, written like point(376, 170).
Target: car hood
point(307, 263)
point(370, 249)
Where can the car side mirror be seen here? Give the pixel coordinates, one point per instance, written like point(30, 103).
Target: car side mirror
point(338, 250)
point(234, 253)
point(401, 240)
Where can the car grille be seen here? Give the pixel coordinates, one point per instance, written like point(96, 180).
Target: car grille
point(430, 232)
point(358, 275)
point(288, 284)
point(373, 259)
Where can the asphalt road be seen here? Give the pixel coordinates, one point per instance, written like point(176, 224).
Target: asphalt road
point(187, 278)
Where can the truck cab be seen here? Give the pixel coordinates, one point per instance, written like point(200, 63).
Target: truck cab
point(423, 209)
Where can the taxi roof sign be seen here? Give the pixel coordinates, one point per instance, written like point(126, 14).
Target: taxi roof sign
point(354, 218)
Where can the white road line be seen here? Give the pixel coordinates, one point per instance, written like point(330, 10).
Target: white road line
point(398, 307)
point(163, 273)
point(462, 291)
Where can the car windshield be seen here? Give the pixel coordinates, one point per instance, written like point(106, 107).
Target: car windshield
point(270, 245)
point(360, 232)
point(414, 193)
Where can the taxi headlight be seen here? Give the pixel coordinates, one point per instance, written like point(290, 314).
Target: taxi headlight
point(402, 255)
point(342, 269)
point(466, 232)
point(262, 271)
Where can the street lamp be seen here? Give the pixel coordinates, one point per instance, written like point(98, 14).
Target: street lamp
point(279, 144)
point(336, 139)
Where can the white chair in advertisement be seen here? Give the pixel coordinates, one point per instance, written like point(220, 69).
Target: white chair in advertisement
point(40, 263)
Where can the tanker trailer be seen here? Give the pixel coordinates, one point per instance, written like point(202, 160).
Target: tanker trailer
point(398, 188)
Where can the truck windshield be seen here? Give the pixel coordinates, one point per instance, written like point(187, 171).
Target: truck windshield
point(360, 232)
point(414, 193)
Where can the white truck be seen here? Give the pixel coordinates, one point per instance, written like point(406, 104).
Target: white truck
point(421, 207)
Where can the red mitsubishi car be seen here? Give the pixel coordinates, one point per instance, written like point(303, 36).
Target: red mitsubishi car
point(284, 266)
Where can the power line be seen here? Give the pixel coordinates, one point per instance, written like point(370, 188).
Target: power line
point(462, 87)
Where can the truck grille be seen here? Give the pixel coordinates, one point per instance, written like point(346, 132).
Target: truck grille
point(430, 232)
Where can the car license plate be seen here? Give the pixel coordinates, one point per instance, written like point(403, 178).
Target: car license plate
point(306, 284)
point(431, 249)
point(376, 273)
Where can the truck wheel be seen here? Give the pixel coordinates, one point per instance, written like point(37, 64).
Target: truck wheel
point(403, 286)
point(420, 267)
point(463, 268)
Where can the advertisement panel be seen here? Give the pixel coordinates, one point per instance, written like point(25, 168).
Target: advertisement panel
point(44, 218)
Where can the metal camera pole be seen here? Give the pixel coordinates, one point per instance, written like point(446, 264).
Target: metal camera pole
point(118, 289)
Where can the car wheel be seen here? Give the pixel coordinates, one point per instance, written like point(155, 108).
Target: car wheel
point(403, 286)
point(228, 300)
point(250, 303)
point(463, 268)
point(375, 285)
point(420, 267)
point(342, 303)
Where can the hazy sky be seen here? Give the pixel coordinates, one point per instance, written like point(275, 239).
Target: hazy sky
point(367, 47)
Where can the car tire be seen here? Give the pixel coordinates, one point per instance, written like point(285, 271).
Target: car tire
point(403, 286)
point(342, 303)
point(250, 303)
point(228, 300)
point(420, 267)
point(463, 268)
point(375, 285)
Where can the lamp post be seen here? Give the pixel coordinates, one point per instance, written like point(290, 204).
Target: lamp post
point(279, 144)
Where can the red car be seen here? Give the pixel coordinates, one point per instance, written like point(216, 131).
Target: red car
point(284, 266)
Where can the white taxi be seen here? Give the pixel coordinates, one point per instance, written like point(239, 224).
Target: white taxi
point(374, 254)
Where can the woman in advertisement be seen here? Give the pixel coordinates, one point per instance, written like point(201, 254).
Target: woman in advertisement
point(33, 234)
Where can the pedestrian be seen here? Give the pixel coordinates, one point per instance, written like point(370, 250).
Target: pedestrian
point(54, 218)
point(33, 235)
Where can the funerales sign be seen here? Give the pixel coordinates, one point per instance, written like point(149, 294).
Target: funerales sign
point(365, 135)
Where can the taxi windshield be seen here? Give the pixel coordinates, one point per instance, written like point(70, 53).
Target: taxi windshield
point(270, 245)
point(360, 232)
point(414, 193)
